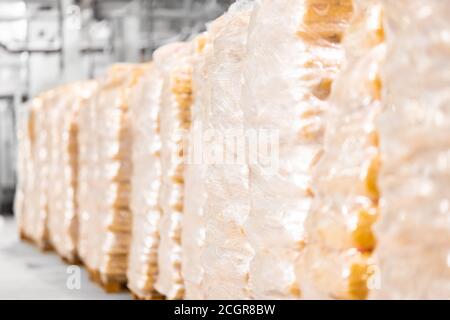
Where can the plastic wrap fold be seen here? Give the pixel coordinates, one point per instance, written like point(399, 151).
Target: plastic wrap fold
point(174, 62)
point(414, 231)
point(145, 184)
point(293, 56)
point(335, 261)
point(226, 252)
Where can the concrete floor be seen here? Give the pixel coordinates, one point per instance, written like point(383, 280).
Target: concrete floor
point(27, 273)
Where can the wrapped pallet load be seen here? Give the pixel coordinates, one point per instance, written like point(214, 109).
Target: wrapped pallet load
point(293, 56)
point(413, 229)
point(193, 226)
point(35, 220)
point(88, 173)
point(145, 184)
point(335, 262)
point(62, 215)
point(114, 161)
point(25, 123)
point(174, 62)
point(226, 252)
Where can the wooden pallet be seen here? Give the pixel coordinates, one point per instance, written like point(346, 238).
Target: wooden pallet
point(73, 260)
point(154, 296)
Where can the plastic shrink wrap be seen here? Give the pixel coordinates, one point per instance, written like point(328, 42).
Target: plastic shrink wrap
point(293, 56)
point(226, 253)
point(193, 225)
point(88, 188)
point(414, 231)
point(335, 262)
point(62, 214)
point(145, 184)
point(35, 213)
point(114, 163)
point(24, 167)
point(176, 102)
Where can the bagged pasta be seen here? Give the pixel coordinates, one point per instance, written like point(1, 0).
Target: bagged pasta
point(335, 262)
point(145, 184)
point(35, 217)
point(88, 188)
point(174, 123)
point(24, 169)
point(115, 143)
point(105, 149)
point(62, 215)
point(226, 252)
point(294, 53)
point(193, 225)
point(413, 229)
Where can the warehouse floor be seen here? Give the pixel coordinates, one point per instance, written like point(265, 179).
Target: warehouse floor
point(27, 273)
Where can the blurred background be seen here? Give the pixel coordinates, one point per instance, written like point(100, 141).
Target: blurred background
point(44, 43)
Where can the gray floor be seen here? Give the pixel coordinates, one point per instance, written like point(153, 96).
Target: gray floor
point(27, 273)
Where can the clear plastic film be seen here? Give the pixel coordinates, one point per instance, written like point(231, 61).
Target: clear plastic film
point(114, 163)
point(63, 130)
point(293, 56)
point(413, 229)
point(335, 262)
point(145, 184)
point(174, 62)
point(24, 168)
point(193, 225)
point(226, 252)
point(38, 171)
point(88, 187)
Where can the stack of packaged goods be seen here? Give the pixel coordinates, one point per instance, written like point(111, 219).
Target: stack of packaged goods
point(24, 169)
point(145, 184)
point(62, 215)
point(88, 188)
point(114, 162)
point(35, 226)
point(336, 260)
point(413, 230)
point(293, 56)
point(226, 252)
point(174, 121)
point(192, 233)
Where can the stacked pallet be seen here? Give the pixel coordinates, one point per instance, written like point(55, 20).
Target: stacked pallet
point(335, 262)
point(112, 218)
point(193, 226)
point(299, 57)
point(146, 182)
point(279, 155)
point(174, 122)
point(226, 253)
point(33, 225)
point(62, 214)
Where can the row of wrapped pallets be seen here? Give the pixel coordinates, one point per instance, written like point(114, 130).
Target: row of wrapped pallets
point(295, 150)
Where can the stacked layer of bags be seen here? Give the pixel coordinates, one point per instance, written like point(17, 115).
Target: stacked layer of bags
point(279, 155)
